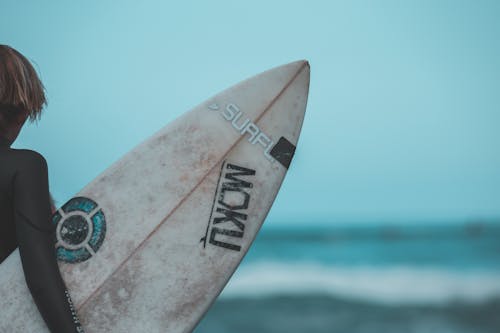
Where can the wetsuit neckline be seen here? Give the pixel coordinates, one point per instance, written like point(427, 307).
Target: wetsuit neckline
point(4, 142)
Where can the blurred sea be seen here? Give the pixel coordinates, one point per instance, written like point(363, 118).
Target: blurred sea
point(365, 279)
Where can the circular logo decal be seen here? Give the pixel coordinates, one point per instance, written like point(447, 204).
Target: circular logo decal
point(80, 229)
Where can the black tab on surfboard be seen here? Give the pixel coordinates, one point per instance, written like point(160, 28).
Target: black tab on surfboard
point(283, 151)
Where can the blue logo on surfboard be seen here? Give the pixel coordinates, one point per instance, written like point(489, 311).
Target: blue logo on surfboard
point(80, 229)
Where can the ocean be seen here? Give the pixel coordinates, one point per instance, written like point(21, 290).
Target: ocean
point(364, 279)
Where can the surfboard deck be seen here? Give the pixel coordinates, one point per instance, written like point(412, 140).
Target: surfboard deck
point(150, 243)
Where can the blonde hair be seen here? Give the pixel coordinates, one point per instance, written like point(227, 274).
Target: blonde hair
point(20, 86)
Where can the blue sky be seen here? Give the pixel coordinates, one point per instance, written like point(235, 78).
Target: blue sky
point(404, 108)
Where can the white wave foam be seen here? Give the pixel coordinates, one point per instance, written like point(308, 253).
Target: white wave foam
point(388, 285)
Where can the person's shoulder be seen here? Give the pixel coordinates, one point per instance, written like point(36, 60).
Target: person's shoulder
point(28, 156)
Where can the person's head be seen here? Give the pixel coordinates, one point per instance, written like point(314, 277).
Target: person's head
point(22, 95)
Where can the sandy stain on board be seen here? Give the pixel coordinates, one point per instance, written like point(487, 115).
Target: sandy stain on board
point(195, 296)
point(184, 177)
point(104, 311)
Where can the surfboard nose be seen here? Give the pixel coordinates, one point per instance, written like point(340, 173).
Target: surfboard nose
point(306, 67)
point(287, 72)
point(306, 64)
point(298, 63)
point(301, 69)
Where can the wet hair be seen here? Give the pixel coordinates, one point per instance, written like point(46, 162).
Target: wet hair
point(22, 94)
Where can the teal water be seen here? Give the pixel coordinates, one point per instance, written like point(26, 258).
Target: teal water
point(419, 278)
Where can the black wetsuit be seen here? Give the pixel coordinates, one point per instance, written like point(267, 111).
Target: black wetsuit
point(25, 215)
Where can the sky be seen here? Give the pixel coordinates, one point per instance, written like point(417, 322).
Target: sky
point(403, 117)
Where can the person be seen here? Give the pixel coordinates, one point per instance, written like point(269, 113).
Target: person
point(25, 203)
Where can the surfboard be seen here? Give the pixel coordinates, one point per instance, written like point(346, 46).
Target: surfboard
point(150, 243)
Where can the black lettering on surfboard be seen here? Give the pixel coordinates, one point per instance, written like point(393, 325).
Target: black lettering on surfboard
point(226, 225)
point(231, 216)
point(225, 232)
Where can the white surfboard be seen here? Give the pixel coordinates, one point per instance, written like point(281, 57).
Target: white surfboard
point(151, 242)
